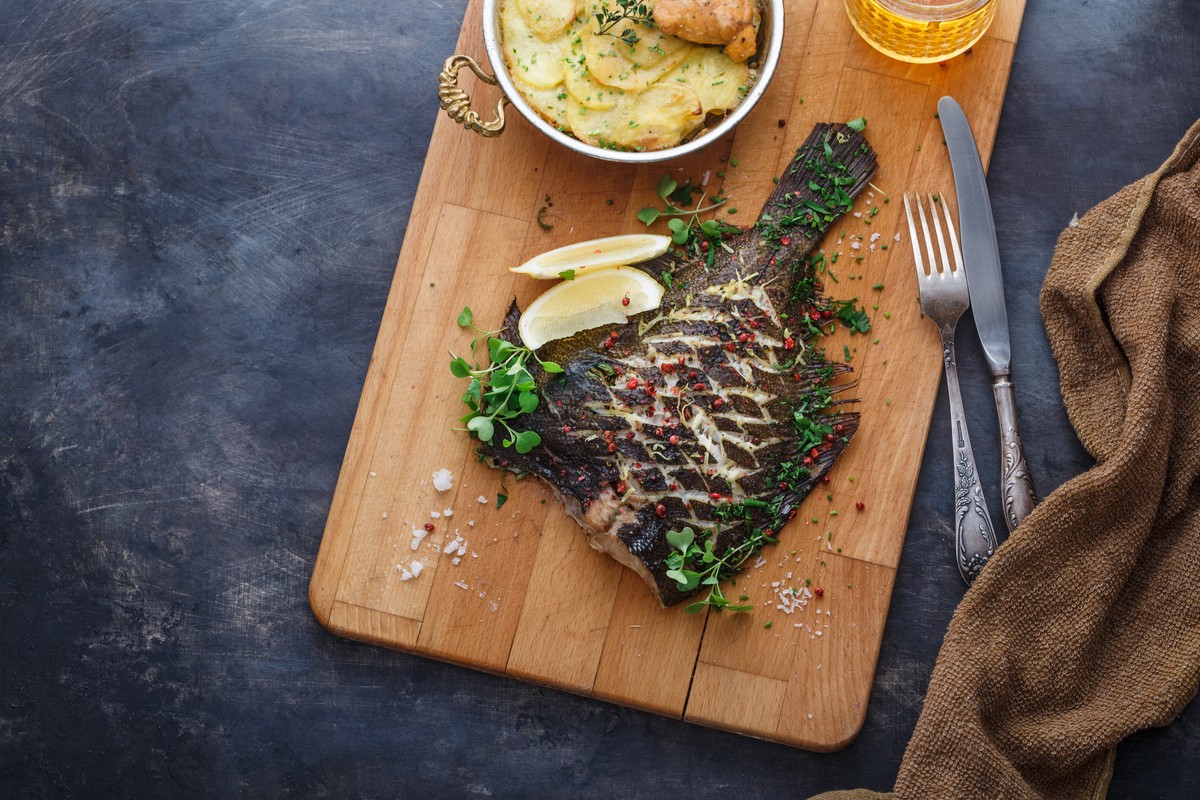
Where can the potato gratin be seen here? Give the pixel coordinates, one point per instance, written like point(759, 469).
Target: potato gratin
point(624, 85)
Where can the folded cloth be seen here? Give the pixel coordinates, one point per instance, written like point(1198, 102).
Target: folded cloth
point(1085, 625)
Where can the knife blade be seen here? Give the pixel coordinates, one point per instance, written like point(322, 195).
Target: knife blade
point(985, 281)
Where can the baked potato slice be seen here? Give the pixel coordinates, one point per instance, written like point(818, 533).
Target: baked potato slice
point(717, 80)
point(548, 18)
point(531, 59)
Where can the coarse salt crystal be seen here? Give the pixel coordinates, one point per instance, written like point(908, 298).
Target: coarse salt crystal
point(385, 515)
point(875, 236)
point(858, 214)
point(418, 534)
point(462, 584)
point(481, 500)
point(896, 238)
point(449, 512)
point(372, 474)
point(416, 568)
point(456, 561)
point(474, 554)
point(462, 549)
point(443, 480)
point(435, 515)
point(471, 523)
point(405, 575)
point(855, 245)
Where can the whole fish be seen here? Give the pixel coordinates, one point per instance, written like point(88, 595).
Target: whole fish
point(683, 440)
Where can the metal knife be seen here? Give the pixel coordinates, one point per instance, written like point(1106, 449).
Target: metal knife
point(982, 261)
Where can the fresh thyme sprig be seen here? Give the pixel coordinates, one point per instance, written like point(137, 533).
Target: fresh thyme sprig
point(632, 11)
point(501, 391)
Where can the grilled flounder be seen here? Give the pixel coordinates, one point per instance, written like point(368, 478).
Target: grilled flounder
point(715, 412)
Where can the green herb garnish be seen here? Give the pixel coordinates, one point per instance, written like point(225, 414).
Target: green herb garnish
point(631, 11)
point(501, 391)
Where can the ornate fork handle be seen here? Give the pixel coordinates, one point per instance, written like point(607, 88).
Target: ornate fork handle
point(974, 539)
point(1016, 485)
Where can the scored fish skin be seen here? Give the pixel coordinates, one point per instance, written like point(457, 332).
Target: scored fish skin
point(683, 414)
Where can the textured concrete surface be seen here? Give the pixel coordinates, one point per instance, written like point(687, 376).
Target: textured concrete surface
point(201, 205)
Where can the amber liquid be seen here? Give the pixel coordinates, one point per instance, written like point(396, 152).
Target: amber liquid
point(921, 32)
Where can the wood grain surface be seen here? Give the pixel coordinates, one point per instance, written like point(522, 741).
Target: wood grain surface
point(528, 597)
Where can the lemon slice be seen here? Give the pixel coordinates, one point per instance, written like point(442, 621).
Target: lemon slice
point(593, 299)
point(610, 251)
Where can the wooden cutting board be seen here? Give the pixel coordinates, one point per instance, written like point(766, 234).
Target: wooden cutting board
point(528, 597)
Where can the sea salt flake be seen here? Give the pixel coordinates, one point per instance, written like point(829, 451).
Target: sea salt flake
point(418, 535)
point(416, 568)
point(443, 480)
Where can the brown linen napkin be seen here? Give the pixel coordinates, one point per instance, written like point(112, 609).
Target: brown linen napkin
point(1085, 626)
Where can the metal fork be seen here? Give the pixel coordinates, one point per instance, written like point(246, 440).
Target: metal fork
point(944, 297)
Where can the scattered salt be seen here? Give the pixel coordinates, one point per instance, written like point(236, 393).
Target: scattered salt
point(372, 474)
point(443, 480)
point(435, 515)
point(855, 245)
point(385, 515)
point(456, 561)
point(416, 568)
point(481, 500)
point(875, 236)
point(449, 512)
point(896, 238)
point(418, 535)
point(858, 214)
point(462, 584)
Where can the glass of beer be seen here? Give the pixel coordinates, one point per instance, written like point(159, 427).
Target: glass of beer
point(921, 31)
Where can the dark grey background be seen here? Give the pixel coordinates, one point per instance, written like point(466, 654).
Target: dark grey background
point(201, 205)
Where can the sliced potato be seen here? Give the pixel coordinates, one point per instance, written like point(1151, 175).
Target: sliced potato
point(608, 128)
point(665, 116)
point(614, 63)
point(550, 103)
point(548, 18)
point(531, 59)
point(584, 89)
point(718, 82)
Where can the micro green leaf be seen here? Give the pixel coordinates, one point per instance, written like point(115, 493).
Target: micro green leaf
point(681, 539)
point(459, 367)
point(550, 366)
point(482, 427)
point(465, 317)
point(567, 274)
point(648, 215)
point(679, 230)
point(858, 123)
point(666, 186)
point(527, 440)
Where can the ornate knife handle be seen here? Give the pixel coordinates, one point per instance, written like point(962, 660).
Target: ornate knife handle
point(1016, 485)
point(974, 538)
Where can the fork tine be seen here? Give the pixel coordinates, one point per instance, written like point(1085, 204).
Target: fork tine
point(934, 202)
point(912, 235)
point(953, 234)
point(934, 267)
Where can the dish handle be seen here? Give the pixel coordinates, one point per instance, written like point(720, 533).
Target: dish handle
point(458, 105)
